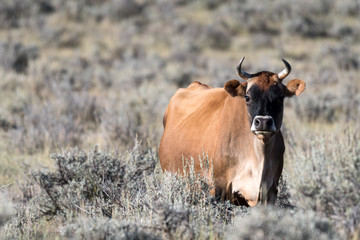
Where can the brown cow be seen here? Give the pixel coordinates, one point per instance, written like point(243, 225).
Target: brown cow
point(238, 127)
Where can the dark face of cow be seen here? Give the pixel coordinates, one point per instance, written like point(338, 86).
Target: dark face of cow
point(265, 108)
point(264, 95)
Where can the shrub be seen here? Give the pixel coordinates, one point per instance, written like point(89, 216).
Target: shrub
point(52, 106)
point(120, 9)
point(323, 107)
point(129, 189)
point(251, 17)
point(138, 113)
point(58, 77)
point(329, 105)
point(309, 19)
point(80, 11)
point(103, 228)
point(328, 179)
point(22, 224)
point(197, 37)
point(12, 12)
point(332, 95)
point(180, 75)
point(95, 181)
point(347, 7)
point(269, 223)
point(60, 122)
point(127, 194)
point(345, 58)
point(6, 207)
point(16, 56)
point(283, 196)
point(308, 26)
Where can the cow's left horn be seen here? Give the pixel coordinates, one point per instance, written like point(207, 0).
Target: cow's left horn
point(242, 73)
point(283, 74)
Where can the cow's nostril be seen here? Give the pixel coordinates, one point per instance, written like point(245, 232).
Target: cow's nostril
point(262, 123)
point(269, 123)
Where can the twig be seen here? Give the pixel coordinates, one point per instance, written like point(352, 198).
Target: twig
point(82, 209)
point(6, 186)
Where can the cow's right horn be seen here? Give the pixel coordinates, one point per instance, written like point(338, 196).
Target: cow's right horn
point(242, 73)
point(283, 74)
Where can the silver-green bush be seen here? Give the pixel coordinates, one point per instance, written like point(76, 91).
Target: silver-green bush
point(328, 180)
point(268, 223)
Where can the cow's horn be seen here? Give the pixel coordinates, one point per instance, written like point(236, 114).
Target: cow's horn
point(283, 74)
point(242, 73)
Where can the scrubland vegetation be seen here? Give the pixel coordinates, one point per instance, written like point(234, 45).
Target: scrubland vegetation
point(84, 85)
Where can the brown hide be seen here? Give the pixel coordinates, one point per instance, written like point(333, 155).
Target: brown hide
point(200, 119)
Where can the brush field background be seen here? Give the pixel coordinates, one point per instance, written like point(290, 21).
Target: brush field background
point(83, 88)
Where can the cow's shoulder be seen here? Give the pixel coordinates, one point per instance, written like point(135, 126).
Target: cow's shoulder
point(196, 101)
point(194, 93)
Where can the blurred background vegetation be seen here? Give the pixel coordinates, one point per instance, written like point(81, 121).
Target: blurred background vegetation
point(100, 73)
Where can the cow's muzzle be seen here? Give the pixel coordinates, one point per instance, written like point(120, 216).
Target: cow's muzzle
point(263, 125)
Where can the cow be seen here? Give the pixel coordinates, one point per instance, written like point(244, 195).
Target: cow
point(238, 127)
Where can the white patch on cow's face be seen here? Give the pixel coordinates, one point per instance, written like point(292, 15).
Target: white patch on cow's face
point(264, 125)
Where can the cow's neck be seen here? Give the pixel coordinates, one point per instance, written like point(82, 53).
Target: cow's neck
point(249, 165)
point(262, 148)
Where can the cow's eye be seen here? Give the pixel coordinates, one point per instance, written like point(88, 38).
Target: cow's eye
point(247, 98)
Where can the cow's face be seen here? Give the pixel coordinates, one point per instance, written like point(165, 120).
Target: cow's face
point(264, 99)
point(264, 96)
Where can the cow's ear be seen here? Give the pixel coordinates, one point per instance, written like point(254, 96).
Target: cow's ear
point(234, 88)
point(295, 87)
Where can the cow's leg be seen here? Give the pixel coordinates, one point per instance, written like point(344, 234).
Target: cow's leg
point(272, 194)
point(273, 191)
point(269, 190)
point(268, 195)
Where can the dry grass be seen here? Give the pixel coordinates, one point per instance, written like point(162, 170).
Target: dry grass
point(92, 72)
